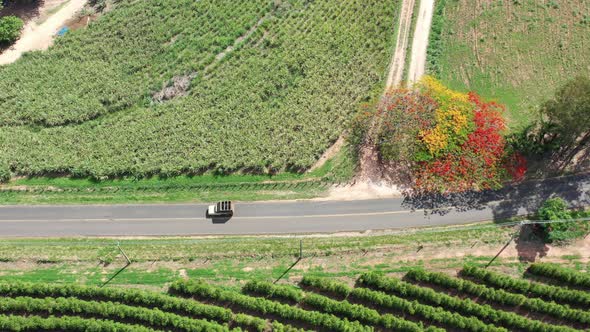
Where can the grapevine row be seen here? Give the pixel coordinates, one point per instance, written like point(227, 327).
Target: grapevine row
point(108, 310)
point(424, 312)
point(339, 308)
point(500, 296)
point(65, 324)
point(466, 307)
point(132, 297)
point(563, 275)
point(548, 292)
point(201, 290)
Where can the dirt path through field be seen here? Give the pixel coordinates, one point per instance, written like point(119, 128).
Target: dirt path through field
point(420, 42)
point(40, 37)
point(396, 67)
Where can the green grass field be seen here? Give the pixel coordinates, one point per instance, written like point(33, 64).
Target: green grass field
point(297, 72)
point(517, 52)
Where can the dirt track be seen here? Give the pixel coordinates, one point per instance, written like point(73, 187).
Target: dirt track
point(40, 37)
point(420, 42)
point(396, 68)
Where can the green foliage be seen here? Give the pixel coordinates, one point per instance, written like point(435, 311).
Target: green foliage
point(382, 300)
point(273, 291)
point(108, 310)
point(527, 288)
point(10, 28)
point(435, 42)
point(500, 296)
point(466, 307)
point(201, 290)
point(273, 103)
point(64, 323)
point(569, 110)
point(565, 229)
point(563, 275)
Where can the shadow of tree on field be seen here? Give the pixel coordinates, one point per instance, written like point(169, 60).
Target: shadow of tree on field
point(529, 244)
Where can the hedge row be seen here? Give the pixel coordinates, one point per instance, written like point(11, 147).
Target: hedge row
point(425, 312)
point(273, 291)
point(179, 187)
point(133, 297)
point(108, 310)
point(466, 307)
point(344, 308)
point(362, 314)
point(501, 297)
point(565, 275)
point(548, 292)
point(66, 324)
point(202, 290)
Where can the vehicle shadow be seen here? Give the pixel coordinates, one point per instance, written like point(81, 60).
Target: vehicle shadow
point(219, 220)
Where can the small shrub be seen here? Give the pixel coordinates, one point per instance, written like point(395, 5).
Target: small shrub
point(567, 229)
point(10, 28)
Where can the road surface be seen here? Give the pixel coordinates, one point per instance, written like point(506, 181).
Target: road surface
point(288, 217)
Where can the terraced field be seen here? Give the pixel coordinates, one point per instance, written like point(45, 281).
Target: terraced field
point(477, 300)
point(171, 87)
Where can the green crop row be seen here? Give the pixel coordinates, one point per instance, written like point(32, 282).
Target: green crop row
point(108, 310)
point(202, 290)
point(344, 308)
point(65, 324)
point(463, 306)
point(362, 314)
point(273, 291)
point(501, 297)
point(382, 300)
point(548, 292)
point(564, 275)
point(85, 107)
point(133, 297)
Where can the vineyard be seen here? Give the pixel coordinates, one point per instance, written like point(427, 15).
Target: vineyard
point(476, 300)
point(173, 87)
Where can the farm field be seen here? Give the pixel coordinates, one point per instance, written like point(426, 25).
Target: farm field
point(476, 299)
point(517, 52)
point(183, 87)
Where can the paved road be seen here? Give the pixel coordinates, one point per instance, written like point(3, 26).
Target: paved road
point(287, 217)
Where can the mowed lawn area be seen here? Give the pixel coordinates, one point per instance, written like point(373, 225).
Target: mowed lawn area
point(517, 52)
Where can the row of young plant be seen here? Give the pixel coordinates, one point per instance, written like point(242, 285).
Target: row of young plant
point(106, 310)
point(465, 307)
point(501, 297)
point(65, 324)
point(275, 104)
point(527, 288)
point(140, 298)
point(201, 290)
point(339, 308)
point(566, 276)
point(381, 300)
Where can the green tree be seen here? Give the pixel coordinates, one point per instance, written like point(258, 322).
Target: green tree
point(569, 112)
point(564, 231)
point(10, 28)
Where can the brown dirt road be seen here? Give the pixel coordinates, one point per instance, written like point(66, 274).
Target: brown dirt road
point(40, 37)
point(420, 42)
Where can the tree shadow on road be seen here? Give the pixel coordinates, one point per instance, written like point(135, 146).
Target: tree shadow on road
point(510, 201)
